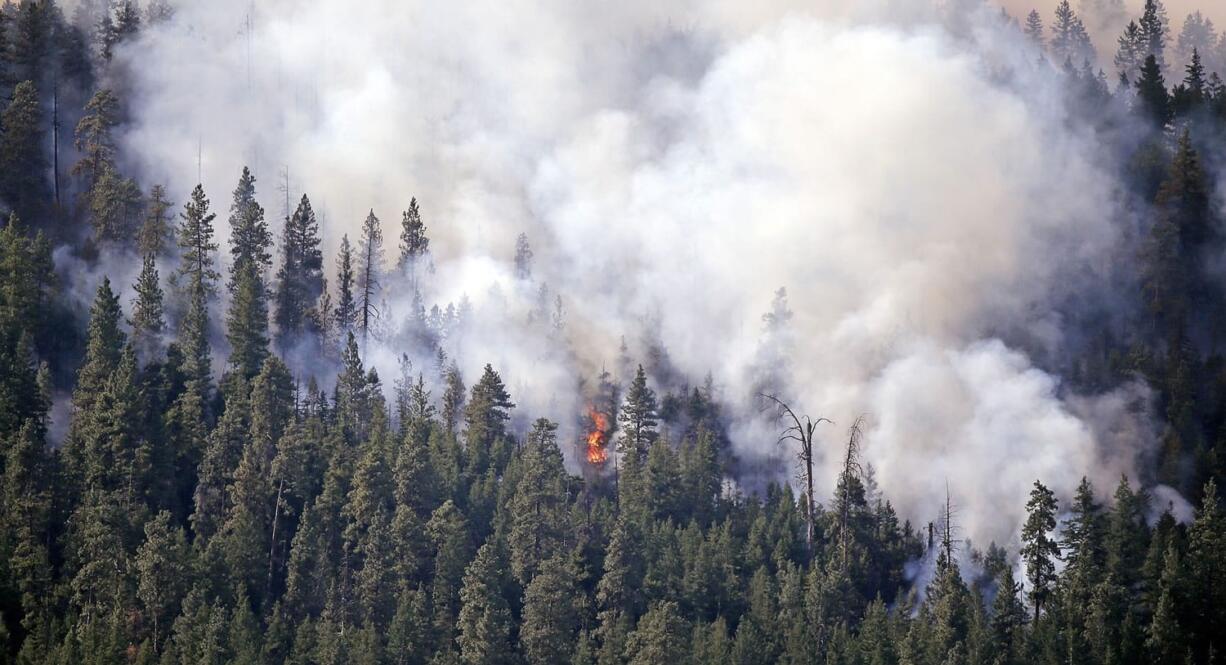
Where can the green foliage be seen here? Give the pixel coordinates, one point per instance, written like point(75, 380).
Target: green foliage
point(23, 182)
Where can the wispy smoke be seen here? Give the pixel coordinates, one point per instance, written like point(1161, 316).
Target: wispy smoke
point(921, 196)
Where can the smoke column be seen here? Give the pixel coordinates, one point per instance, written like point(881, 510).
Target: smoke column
point(916, 189)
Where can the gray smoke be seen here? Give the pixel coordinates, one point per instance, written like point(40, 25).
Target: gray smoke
point(920, 195)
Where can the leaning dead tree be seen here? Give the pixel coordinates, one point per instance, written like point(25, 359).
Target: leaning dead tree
point(799, 429)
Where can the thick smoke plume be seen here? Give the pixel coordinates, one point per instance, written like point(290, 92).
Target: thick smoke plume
point(917, 190)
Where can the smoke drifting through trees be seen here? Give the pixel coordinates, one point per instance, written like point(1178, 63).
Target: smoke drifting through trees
point(668, 190)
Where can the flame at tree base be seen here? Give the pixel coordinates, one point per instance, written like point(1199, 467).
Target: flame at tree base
point(597, 438)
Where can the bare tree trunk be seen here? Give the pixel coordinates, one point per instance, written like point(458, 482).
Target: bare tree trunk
point(809, 507)
point(801, 431)
point(55, 137)
point(272, 541)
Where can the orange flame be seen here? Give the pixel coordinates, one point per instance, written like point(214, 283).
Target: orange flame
point(597, 437)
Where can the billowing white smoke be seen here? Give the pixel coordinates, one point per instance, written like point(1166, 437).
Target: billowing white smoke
point(918, 195)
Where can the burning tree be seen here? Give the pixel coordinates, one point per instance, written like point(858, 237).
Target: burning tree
point(800, 430)
point(597, 437)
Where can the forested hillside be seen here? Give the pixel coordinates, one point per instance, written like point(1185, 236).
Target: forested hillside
point(217, 445)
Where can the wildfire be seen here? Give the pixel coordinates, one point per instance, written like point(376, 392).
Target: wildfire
point(597, 437)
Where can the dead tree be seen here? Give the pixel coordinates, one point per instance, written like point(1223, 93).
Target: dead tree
point(948, 542)
point(800, 429)
point(851, 472)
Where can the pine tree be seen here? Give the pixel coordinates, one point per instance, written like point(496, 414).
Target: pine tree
point(637, 420)
point(1034, 28)
point(93, 137)
point(1039, 550)
point(1154, 32)
point(195, 237)
point(32, 40)
point(1069, 40)
point(1171, 286)
point(247, 321)
point(156, 231)
point(1206, 573)
point(485, 618)
point(1008, 619)
point(114, 204)
point(194, 342)
point(26, 498)
point(1197, 35)
point(453, 398)
point(414, 244)
point(1154, 102)
point(148, 315)
point(523, 258)
point(407, 640)
point(346, 313)
point(659, 638)
point(1192, 93)
point(1130, 53)
point(370, 270)
point(221, 456)
point(452, 545)
point(23, 182)
point(1083, 536)
point(300, 278)
point(550, 618)
point(538, 509)
point(485, 419)
point(250, 238)
point(1164, 639)
point(103, 349)
point(162, 565)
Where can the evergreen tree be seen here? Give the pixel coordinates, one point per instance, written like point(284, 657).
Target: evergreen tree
point(1206, 568)
point(93, 137)
point(148, 317)
point(538, 510)
point(23, 177)
point(346, 312)
point(162, 565)
point(1008, 619)
point(1039, 550)
point(155, 232)
point(550, 617)
point(485, 419)
point(523, 257)
point(103, 349)
point(1154, 32)
point(1034, 27)
point(247, 322)
point(300, 278)
point(1190, 95)
point(637, 420)
point(453, 398)
point(660, 637)
point(1153, 100)
point(414, 244)
point(1164, 638)
point(1130, 53)
point(485, 618)
point(250, 238)
point(1197, 35)
point(1069, 40)
point(26, 498)
point(370, 270)
point(195, 237)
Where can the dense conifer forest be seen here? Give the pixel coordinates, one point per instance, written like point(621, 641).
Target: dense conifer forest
point(213, 461)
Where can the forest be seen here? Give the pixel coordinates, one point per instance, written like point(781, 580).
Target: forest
point(218, 445)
